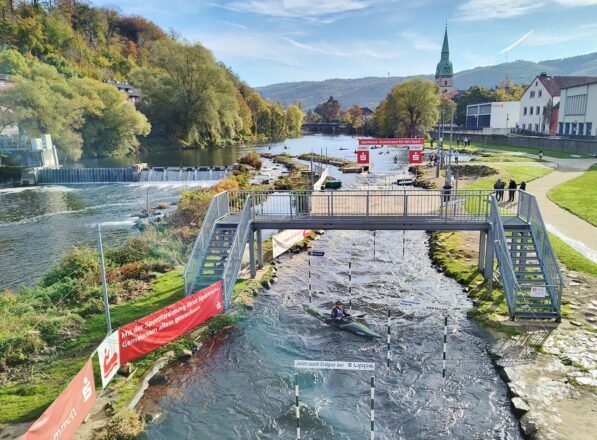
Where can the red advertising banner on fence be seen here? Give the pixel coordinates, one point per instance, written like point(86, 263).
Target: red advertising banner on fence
point(62, 418)
point(150, 333)
point(391, 141)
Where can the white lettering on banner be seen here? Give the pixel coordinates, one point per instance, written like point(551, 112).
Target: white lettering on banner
point(284, 240)
point(422, 305)
point(334, 365)
point(415, 147)
point(67, 421)
point(108, 353)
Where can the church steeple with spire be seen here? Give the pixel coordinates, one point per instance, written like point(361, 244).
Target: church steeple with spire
point(444, 72)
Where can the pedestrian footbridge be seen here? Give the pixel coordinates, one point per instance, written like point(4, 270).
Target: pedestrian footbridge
point(513, 237)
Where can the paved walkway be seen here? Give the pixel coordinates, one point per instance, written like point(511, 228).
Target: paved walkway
point(574, 230)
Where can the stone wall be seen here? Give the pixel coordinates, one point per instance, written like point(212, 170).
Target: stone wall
point(573, 146)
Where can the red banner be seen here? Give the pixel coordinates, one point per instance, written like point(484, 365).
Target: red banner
point(392, 141)
point(415, 157)
point(150, 333)
point(362, 156)
point(62, 418)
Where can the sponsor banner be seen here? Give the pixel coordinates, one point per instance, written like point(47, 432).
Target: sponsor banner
point(415, 157)
point(415, 147)
point(284, 240)
point(538, 292)
point(363, 157)
point(334, 365)
point(147, 334)
point(392, 141)
point(316, 253)
point(109, 358)
point(62, 418)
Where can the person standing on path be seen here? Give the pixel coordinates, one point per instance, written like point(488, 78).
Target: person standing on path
point(511, 190)
point(497, 186)
point(523, 186)
point(540, 154)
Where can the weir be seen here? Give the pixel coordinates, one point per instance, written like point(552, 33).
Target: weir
point(513, 238)
point(52, 176)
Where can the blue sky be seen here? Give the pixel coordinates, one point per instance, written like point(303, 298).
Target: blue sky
point(270, 41)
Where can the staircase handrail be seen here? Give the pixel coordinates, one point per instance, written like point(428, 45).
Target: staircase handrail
point(510, 282)
point(218, 208)
point(528, 208)
point(236, 251)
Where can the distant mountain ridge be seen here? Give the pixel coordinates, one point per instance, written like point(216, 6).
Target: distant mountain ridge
point(369, 91)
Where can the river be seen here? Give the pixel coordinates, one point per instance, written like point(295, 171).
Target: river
point(239, 386)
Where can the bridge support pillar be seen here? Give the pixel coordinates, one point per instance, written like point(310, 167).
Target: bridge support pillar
point(252, 254)
point(259, 250)
point(489, 258)
point(482, 250)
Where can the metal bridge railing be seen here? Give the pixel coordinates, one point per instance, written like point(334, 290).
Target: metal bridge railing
point(509, 280)
point(236, 253)
point(528, 210)
point(218, 208)
point(461, 206)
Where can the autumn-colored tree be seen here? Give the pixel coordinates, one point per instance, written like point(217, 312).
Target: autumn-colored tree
point(354, 118)
point(329, 110)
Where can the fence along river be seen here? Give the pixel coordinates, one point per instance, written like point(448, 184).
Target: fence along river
point(240, 385)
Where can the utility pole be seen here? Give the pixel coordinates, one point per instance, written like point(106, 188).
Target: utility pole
point(440, 142)
point(104, 283)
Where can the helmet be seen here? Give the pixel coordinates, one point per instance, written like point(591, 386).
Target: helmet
point(338, 303)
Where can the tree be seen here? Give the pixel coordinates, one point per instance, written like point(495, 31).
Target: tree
point(294, 120)
point(329, 110)
point(509, 91)
point(354, 118)
point(409, 108)
point(188, 95)
point(474, 95)
point(12, 62)
point(448, 107)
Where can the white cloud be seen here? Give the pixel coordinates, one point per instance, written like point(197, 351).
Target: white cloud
point(298, 8)
point(517, 42)
point(586, 32)
point(420, 42)
point(577, 2)
point(359, 51)
point(476, 10)
point(236, 25)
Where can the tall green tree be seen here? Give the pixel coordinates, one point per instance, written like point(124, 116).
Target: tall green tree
point(329, 110)
point(188, 92)
point(409, 109)
point(294, 120)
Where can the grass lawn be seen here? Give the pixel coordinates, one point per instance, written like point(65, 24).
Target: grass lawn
point(571, 258)
point(529, 150)
point(579, 196)
point(507, 172)
point(26, 400)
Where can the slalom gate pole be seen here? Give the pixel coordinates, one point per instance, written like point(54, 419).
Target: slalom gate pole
point(297, 408)
point(350, 278)
point(374, 233)
point(372, 407)
point(403, 241)
point(350, 306)
point(309, 279)
point(445, 343)
point(389, 355)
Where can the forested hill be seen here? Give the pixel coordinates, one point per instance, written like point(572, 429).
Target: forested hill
point(59, 53)
point(370, 91)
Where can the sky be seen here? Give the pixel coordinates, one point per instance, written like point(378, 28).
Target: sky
point(272, 41)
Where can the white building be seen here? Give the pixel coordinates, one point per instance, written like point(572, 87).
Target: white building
point(539, 99)
point(578, 110)
point(493, 115)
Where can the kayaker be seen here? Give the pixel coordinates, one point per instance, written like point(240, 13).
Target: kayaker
point(338, 312)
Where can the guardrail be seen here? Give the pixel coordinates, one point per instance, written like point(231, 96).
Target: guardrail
point(528, 210)
point(461, 206)
point(218, 208)
point(236, 253)
point(509, 280)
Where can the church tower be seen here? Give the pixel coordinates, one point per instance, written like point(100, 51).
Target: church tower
point(444, 73)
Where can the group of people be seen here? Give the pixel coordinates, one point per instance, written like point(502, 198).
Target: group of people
point(466, 142)
point(500, 187)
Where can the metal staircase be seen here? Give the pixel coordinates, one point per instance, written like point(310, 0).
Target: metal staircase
point(216, 256)
point(533, 299)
